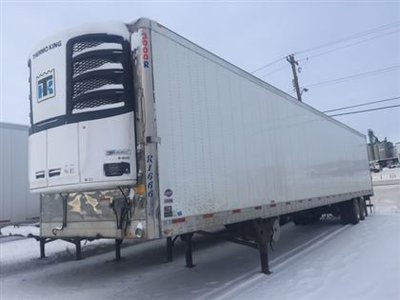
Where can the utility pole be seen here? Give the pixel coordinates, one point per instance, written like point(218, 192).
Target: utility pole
point(294, 63)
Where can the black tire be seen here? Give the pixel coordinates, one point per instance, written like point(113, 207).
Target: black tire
point(350, 212)
point(355, 214)
point(363, 209)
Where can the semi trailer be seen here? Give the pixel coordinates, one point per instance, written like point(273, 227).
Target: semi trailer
point(138, 133)
point(17, 204)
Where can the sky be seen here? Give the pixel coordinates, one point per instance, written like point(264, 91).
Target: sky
point(249, 34)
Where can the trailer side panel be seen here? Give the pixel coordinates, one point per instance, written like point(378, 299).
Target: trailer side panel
point(229, 143)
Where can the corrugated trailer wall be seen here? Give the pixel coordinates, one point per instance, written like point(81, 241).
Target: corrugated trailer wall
point(17, 204)
point(230, 141)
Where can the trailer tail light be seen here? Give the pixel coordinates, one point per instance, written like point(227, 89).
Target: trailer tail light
point(207, 216)
point(179, 220)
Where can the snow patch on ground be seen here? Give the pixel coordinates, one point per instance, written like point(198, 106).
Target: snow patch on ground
point(386, 199)
point(20, 230)
point(362, 262)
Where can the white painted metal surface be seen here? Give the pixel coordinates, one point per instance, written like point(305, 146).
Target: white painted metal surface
point(71, 155)
point(107, 141)
point(49, 56)
point(215, 145)
point(16, 202)
point(38, 160)
point(230, 141)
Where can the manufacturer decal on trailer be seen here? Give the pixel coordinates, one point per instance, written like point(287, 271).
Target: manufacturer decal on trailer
point(45, 85)
point(168, 193)
point(167, 211)
point(145, 49)
point(47, 48)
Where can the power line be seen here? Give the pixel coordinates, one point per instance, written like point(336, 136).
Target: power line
point(365, 110)
point(362, 104)
point(269, 64)
point(351, 77)
point(274, 71)
point(351, 37)
point(348, 38)
point(348, 45)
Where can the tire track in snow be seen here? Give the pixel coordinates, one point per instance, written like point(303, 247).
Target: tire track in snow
point(238, 285)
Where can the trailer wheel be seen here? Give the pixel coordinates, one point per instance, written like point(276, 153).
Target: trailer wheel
point(362, 209)
point(350, 212)
point(355, 218)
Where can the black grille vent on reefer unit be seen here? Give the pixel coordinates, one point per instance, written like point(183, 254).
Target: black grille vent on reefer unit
point(99, 76)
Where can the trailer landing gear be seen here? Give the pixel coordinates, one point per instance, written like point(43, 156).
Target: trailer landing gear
point(118, 243)
point(257, 234)
point(78, 252)
point(187, 238)
point(42, 242)
point(76, 241)
point(170, 246)
point(263, 230)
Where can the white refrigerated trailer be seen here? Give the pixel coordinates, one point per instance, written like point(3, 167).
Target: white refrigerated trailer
point(17, 204)
point(138, 133)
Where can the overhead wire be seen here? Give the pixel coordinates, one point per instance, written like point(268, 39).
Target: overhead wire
point(362, 104)
point(268, 65)
point(351, 37)
point(351, 77)
point(348, 45)
point(365, 110)
point(274, 71)
point(342, 40)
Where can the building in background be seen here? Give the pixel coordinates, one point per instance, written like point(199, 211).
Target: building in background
point(17, 204)
point(397, 150)
point(381, 152)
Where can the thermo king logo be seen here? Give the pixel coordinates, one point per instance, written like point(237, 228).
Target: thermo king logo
point(46, 86)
